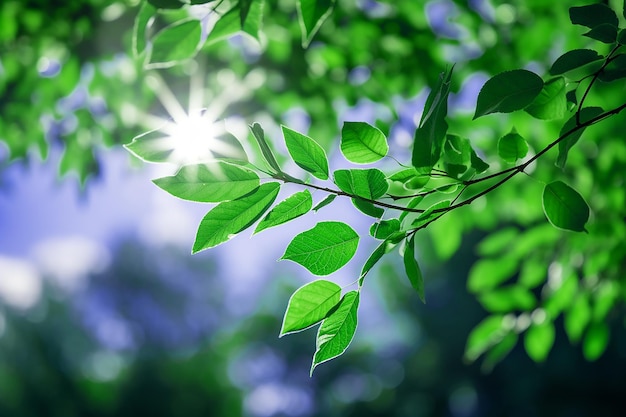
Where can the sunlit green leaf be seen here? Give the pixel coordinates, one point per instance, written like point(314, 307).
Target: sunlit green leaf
point(486, 274)
point(574, 59)
point(146, 12)
point(565, 207)
point(412, 268)
point(497, 242)
point(551, 102)
point(326, 201)
point(539, 339)
point(362, 143)
point(507, 92)
point(486, 334)
point(311, 16)
point(175, 43)
point(577, 317)
point(337, 330)
point(227, 219)
point(293, 207)
point(367, 183)
point(266, 151)
point(385, 247)
point(210, 183)
point(368, 208)
point(384, 228)
point(323, 249)
point(430, 214)
point(507, 299)
point(309, 305)
point(306, 153)
point(512, 147)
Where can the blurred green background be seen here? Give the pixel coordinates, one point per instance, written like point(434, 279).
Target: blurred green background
point(103, 312)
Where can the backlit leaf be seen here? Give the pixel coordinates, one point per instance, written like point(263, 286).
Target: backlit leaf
point(309, 305)
point(596, 340)
point(268, 155)
point(486, 334)
point(295, 206)
point(412, 268)
point(507, 92)
point(564, 207)
point(175, 43)
point(385, 228)
point(311, 16)
point(306, 153)
point(577, 317)
point(146, 12)
point(512, 147)
point(337, 330)
point(385, 247)
point(551, 102)
point(362, 143)
point(487, 274)
point(227, 219)
point(326, 201)
point(210, 183)
point(323, 249)
point(367, 183)
point(539, 339)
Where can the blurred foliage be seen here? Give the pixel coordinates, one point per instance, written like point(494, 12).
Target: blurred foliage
point(71, 80)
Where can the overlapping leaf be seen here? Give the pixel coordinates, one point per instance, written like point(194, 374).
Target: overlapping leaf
point(175, 43)
point(565, 207)
point(362, 143)
point(309, 305)
point(293, 207)
point(507, 92)
point(306, 153)
point(311, 15)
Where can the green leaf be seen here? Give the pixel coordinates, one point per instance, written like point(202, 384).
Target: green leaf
point(329, 199)
point(309, 305)
point(385, 247)
point(478, 164)
point(564, 207)
point(615, 70)
point(210, 183)
point(512, 147)
point(410, 179)
point(368, 208)
point(259, 135)
point(507, 92)
point(577, 317)
point(337, 330)
point(487, 274)
point(507, 299)
point(231, 22)
point(306, 153)
point(362, 143)
point(227, 219)
point(486, 334)
point(227, 147)
point(621, 37)
point(457, 155)
point(574, 59)
point(295, 206)
point(146, 12)
point(532, 274)
point(311, 16)
point(166, 4)
point(539, 339)
point(551, 103)
point(499, 351)
point(385, 228)
point(497, 242)
point(175, 43)
point(412, 268)
point(430, 214)
point(604, 33)
point(593, 15)
point(431, 132)
point(596, 340)
point(323, 249)
point(367, 183)
point(570, 140)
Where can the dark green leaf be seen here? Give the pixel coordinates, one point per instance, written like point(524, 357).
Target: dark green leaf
point(311, 16)
point(385, 228)
point(499, 351)
point(329, 199)
point(593, 15)
point(596, 340)
point(309, 305)
point(146, 12)
point(615, 70)
point(539, 339)
point(227, 219)
point(175, 43)
point(362, 143)
point(512, 147)
point(259, 135)
point(306, 153)
point(574, 59)
point(507, 92)
point(604, 33)
point(210, 183)
point(429, 136)
point(621, 37)
point(295, 206)
point(412, 268)
point(166, 4)
point(566, 144)
point(551, 103)
point(478, 164)
point(367, 183)
point(323, 249)
point(564, 207)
